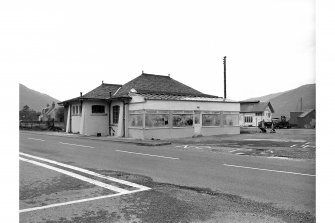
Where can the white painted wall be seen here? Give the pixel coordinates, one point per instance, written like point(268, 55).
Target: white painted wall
point(94, 123)
point(167, 133)
point(184, 105)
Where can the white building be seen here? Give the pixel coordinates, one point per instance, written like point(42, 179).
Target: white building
point(253, 112)
point(150, 107)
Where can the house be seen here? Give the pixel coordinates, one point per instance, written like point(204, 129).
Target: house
point(304, 119)
point(49, 113)
point(150, 107)
point(253, 112)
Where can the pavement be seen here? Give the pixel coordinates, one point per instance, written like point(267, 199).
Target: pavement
point(183, 185)
point(104, 138)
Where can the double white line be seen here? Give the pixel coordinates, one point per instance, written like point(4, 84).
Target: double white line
point(119, 191)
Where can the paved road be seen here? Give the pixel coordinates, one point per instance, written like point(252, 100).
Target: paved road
point(286, 183)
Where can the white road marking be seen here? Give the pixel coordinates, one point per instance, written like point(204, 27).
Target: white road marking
point(293, 145)
point(78, 201)
point(144, 154)
point(80, 177)
point(278, 171)
point(75, 145)
point(36, 139)
point(87, 172)
point(277, 140)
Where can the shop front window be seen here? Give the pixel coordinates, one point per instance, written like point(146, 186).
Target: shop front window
point(182, 120)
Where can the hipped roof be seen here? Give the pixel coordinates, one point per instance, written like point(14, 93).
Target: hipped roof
point(152, 87)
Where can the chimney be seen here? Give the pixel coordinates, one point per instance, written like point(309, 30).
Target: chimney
point(142, 71)
point(81, 94)
point(110, 94)
point(102, 82)
point(169, 75)
point(224, 77)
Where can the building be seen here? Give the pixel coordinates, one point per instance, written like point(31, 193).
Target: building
point(253, 112)
point(49, 113)
point(306, 119)
point(150, 107)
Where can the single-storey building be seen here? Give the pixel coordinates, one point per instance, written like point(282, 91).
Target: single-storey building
point(306, 119)
point(253, 112)
point(150, 107)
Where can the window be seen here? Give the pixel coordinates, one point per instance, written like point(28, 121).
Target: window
point(156, 120)
point(211, 120)
point(116, 112)
point(230, 120)
point(76, 110)
point(98, 109)
point(248, 119)
point(269, 114)
point(259, 113)
point(136, 120)
point(182, 120)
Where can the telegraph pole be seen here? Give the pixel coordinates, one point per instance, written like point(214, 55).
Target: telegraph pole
point(224, 77)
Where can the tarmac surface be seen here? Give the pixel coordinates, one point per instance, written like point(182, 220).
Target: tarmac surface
point(168, 183)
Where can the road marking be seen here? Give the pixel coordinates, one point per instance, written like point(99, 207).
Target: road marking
point(293, 145)
point(278, 171)
point(75, 145)
point(144, 154)
point(277, 140)
point(80, 177)
point(88, 172)
point(36, 139)
point(78, 201)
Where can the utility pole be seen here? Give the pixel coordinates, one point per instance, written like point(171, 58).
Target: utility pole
point(224, 77)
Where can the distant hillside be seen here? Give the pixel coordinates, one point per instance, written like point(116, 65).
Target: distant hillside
point(266, 97)
point(285, 102)
point(34, 99)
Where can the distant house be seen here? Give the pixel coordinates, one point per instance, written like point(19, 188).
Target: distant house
point(49, 113)
point(253, 112)
point(306, 119)
point(150, 107)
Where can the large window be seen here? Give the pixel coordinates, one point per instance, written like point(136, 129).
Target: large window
point(230, 120)
point(156, 120)
point(211, 120)
point(136, 120)
point(98, 109)
point(182, 120)
point(116, 112)
point(248, 119)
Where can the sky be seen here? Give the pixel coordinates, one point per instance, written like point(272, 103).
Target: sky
point(62, 48)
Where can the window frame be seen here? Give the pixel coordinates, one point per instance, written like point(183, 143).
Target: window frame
point(115, 119)
point(94, 112)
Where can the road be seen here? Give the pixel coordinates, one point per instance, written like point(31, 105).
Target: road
point(288, 184)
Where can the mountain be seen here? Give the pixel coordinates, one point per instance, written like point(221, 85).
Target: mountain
point(34, 99)
point(285, 102)
point(266, 97)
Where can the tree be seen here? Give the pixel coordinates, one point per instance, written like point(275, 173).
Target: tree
point(27, 114)
point(60, 114)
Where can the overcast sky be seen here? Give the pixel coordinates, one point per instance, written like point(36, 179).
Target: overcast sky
point(62, 48)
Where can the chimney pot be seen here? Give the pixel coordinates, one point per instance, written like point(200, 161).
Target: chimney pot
point(81, 94)
point(110, 94)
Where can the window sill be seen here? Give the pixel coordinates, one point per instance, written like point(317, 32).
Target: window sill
point(98, 114)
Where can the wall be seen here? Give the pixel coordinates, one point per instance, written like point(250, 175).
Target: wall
point(185, 105)
point(174, 132)
point(94, 123)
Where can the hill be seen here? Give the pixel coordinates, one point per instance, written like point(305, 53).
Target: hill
point(34, 99)
point(285, 102)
